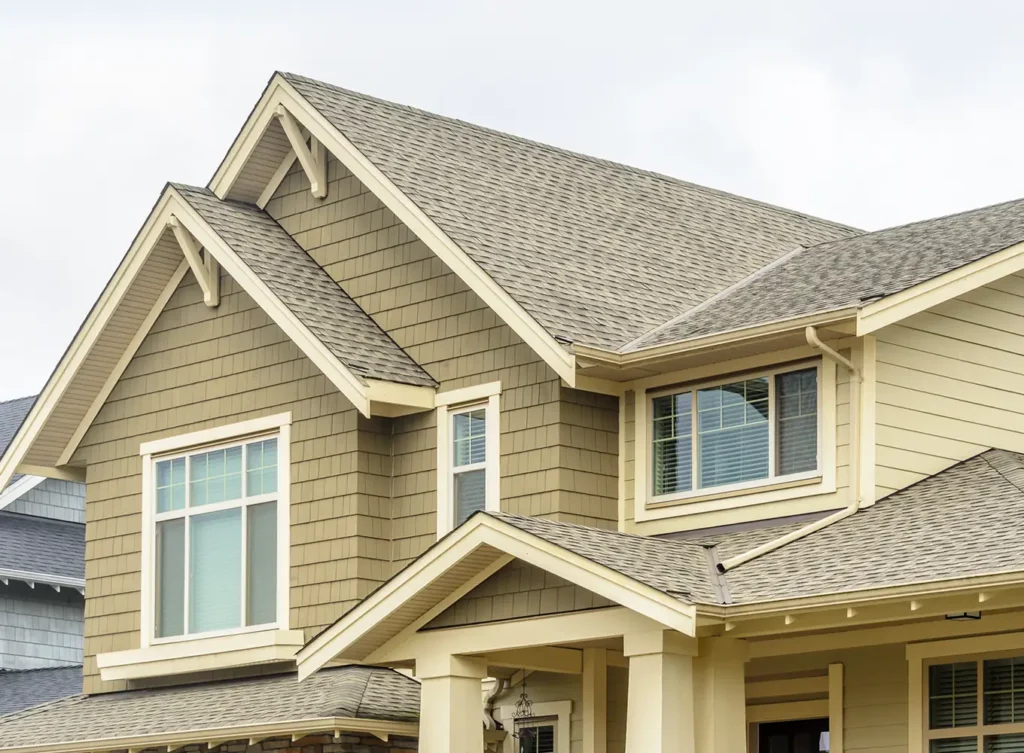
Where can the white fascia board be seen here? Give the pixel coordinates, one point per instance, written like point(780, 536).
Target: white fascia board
point(281, 93)
point(45, 579)
point(22, 486)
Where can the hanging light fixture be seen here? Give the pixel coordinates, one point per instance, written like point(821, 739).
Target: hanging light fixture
point(523, 712)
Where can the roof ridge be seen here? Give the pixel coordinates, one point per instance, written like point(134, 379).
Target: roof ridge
point(23, 670)
point(1014, 465)
point(606, 531)
point(723, 293)
point(18, 399)
point(948, 216)
point(569, 152)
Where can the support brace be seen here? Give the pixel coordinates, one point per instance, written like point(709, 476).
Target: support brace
point(204, 267)
point(313, 157)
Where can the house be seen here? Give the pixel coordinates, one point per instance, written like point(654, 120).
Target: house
point(42, 579)
point(608, 461)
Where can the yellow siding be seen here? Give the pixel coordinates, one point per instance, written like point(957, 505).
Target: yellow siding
point(950, 384)
point(200, 368)
point(518, 590)
point(563, 471)
point(618, 689)
point(875, 692)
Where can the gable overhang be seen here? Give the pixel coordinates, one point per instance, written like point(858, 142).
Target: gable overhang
point(122, 317)
point(898, 306)
point(261, 155)
point(19, 488)
point(385, 626)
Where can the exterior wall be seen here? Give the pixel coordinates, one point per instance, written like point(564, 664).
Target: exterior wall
point(449, 330)
point(618, 689)
point(736, 509)
point(518, 590)
point(202, 367)
point(53, 498)
point(545, 687)
point(950, 384)
point(39, 627)
point(875, 692)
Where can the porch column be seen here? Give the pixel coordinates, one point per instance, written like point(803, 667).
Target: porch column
point(451, 703)
point(659, 707)
point(720, 701)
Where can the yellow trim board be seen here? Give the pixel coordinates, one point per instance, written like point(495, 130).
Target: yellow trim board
point(280, 93)
point(485, 531)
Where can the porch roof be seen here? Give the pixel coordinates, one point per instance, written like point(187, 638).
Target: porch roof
point(369, 699)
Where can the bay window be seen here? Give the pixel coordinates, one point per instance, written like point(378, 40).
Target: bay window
point(741, 432)
point(217, 517)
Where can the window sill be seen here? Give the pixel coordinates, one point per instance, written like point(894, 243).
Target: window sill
point(689, 497)
point(200, 655)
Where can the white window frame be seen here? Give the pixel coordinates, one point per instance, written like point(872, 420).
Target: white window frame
point(823, 473)
point(450, 404)
point(279, 426)
point(556, 713)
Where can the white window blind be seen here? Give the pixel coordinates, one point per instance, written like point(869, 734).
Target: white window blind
point(976, 706)
point(469, 462)
point(759, 428)
point(216, 518)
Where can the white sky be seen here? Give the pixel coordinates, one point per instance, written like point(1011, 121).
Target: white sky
point(875, 114)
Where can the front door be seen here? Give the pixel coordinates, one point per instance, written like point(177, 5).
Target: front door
point(803, 736)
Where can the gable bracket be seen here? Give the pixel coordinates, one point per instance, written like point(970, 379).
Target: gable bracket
point(313, 157)
point(205, 267)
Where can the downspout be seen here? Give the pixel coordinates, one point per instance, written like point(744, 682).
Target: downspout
point(856, 379)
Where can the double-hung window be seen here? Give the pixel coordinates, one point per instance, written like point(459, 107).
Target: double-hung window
point(976, 706)
point(217, 514)
point(742, 432)
point(467, 446)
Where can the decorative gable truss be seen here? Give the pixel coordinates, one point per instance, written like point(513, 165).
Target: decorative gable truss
point(378, 378)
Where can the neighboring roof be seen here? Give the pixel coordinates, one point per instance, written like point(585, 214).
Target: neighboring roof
point(32, 545)
point(306, 289)
point(358, 693)
point(597, 252)
point(12, 413)
point(24, 688)
point(850, 272)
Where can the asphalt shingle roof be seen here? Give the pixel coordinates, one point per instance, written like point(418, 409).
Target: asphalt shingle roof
point(306, 289)
point(12, 413)
point(595, 251)
point(42, 546)
point(348, 692)
point(967, 520)
point(849, 272)
point(24, 688)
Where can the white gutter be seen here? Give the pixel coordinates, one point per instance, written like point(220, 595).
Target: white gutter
point(855, 498)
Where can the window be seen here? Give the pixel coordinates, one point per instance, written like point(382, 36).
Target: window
point(735, 433)
point(467, 446)
point(218, 517)
point(976, 706)
point(536, 736)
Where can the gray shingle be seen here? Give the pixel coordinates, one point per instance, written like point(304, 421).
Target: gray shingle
point(350, 692)
point(42, 546)
point(306, 289)
point(847, 273)
point(597, 252)
point(24, 688)
point(12, 413)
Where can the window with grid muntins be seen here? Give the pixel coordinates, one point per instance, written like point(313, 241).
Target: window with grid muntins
point(976, 706)
point(469, 462)
point(216, 518)
point(761, 428)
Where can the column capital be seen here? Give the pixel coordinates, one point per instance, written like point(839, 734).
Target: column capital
point(658, 642)
point(451, 665)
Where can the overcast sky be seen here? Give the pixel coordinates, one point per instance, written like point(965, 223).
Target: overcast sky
point(874, 115)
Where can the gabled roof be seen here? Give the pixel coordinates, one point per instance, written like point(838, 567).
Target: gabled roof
point(42, 550)
point(851, 272)
point(341, 698)
point(21, 689)
point(306, 289)
point(597, 252)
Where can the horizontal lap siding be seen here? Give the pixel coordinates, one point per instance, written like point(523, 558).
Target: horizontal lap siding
point(461, 342)
point(950, 384)
point(202, 367)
